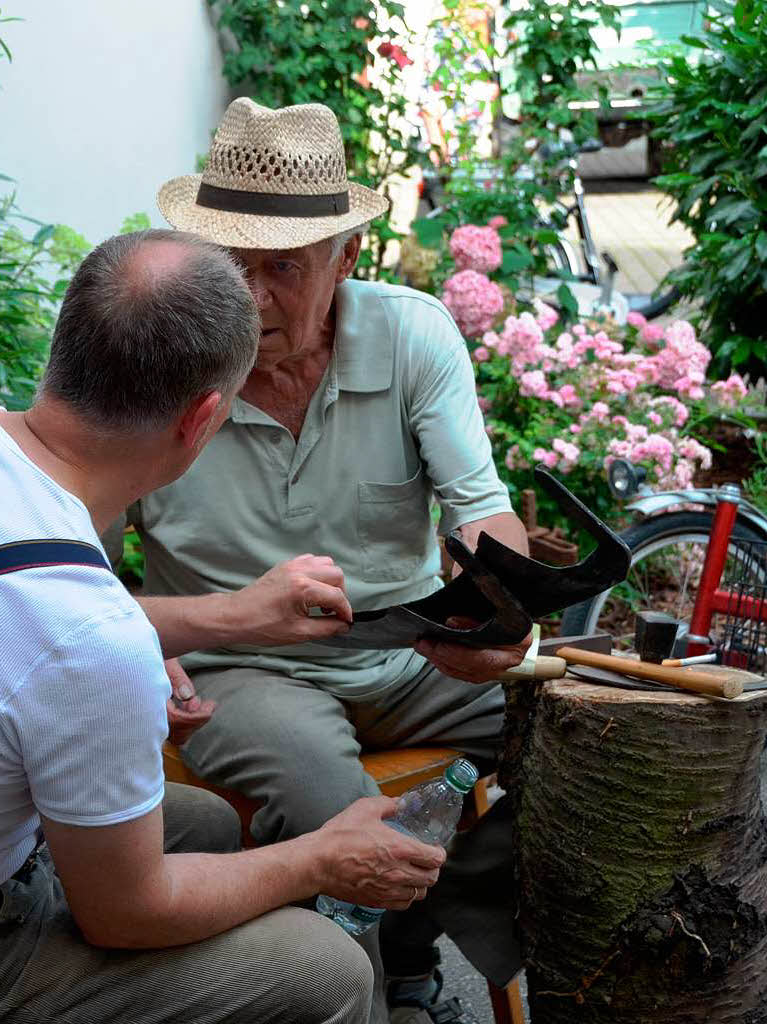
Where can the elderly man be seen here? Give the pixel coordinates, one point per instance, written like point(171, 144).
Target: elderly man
point(360, 412)
point(156, 335)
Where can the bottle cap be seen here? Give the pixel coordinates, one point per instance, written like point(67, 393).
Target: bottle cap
point(462, 775)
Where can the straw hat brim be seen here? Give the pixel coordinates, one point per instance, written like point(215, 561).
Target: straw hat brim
point(176, 200)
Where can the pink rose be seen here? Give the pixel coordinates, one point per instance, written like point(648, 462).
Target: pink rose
point(474, 301)
point(549, 459)
point(651, 333)
point(475, 248)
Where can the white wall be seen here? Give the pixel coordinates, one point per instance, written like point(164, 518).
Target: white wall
point(104, 101)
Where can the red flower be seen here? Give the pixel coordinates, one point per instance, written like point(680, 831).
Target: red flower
point(396, 53)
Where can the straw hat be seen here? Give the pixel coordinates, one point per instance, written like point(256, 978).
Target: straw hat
point(275, 179)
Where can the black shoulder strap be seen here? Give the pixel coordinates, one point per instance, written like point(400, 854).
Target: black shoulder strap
point(36, 554)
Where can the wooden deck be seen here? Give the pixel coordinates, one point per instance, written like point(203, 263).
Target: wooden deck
point(634, 227)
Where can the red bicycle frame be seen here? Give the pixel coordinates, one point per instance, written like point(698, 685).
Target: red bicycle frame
point(711, 598)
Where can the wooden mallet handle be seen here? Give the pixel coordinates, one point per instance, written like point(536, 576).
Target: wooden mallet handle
point(684, 679)
point(545, 667)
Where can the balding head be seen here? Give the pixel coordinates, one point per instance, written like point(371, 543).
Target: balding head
point(150, 322)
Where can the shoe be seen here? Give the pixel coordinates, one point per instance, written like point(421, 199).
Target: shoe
point(413, 1000)
point(419, 990)
point(449, 1012)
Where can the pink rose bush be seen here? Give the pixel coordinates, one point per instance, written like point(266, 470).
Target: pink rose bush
point(576, 400)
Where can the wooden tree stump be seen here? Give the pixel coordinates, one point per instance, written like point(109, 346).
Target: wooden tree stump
point(642, 856)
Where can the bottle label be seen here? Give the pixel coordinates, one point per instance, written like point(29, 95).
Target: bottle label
point(366, 915)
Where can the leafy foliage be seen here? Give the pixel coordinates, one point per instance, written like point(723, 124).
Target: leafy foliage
point(319, 51)
point(36, 263)
point(548, 44)
point(712, 118)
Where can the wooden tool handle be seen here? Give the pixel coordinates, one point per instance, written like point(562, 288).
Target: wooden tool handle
point(684, 679)
point(545, 667)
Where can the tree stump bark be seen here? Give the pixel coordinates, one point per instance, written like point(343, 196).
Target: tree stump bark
point(642, 856)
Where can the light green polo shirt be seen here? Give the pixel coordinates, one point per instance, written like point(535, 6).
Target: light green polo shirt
point(393, 425)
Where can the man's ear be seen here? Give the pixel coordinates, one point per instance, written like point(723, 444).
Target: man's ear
point(349, 257)
point(194, 424)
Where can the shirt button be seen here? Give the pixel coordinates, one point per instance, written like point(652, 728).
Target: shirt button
point(275, 437)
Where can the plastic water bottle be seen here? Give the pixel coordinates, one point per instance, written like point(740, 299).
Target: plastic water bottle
point(429, 812)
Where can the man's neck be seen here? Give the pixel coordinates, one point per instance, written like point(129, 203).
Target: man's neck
point(284, 388)
point(104, 473)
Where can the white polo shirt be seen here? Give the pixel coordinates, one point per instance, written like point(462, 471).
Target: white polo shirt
point(82, 681)
point(393, 425)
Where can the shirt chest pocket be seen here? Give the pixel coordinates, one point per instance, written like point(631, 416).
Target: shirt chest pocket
point(394, 526)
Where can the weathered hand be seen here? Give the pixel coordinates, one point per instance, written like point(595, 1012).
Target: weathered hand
point(468, 663)
point(364, 861)
point(275, 609)
point(186, 712)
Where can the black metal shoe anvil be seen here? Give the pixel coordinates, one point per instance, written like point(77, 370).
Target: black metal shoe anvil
point(499, 589)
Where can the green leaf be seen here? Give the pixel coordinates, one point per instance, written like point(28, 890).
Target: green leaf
point(516, 258)
point(429, 231)
point(728, 212)
point(736, 266)
point(567, 301)
point(742, 353)
point(42, 236)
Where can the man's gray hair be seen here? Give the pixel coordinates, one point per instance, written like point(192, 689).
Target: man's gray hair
point(144, 332)
point(337, 242)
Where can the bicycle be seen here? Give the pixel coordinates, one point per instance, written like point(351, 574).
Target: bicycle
point(589, 274)
point(706, 566)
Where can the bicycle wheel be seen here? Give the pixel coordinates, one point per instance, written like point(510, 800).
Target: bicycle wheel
point(667, 554)
point(560, 256)
point(650, 307)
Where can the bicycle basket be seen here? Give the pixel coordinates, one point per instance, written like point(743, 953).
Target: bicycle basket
point(744, 585)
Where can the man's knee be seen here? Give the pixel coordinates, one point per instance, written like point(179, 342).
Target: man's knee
point(345, 991)
point(198, 821)
point(325, 977)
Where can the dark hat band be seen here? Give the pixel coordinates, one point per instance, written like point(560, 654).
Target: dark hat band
point(270, 204)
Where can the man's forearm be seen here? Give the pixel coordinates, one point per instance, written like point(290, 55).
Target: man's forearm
point(273, 610)
point(506, 527)
point(186, 624)
point(198, 895)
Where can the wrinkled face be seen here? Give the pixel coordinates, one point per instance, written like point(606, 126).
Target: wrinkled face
point(293, 289)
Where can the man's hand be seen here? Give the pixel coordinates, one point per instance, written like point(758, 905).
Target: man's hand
point(468, 663)
point(364, 861)
point(275, 609)
point(186, 712)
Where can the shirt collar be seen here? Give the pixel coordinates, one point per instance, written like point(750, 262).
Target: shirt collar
point(364, 347)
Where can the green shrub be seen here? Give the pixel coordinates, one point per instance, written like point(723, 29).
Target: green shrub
point(712, 120)
point(36, 264)
point(319, 51)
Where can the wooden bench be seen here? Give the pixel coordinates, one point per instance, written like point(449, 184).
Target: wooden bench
point(395, 771)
